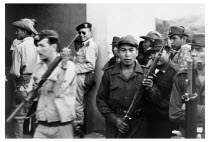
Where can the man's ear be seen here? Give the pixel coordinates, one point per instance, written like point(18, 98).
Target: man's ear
point(54, 46)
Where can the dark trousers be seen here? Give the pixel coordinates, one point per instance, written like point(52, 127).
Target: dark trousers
point(159, 128)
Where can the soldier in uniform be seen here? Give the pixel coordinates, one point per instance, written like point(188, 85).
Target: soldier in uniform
point(114, 59)
point(181, 51)
point(159, 124)
point(177, 105)
point(85, 62)
point(56, 105)
point(24, 57)
point(118, 86)
point(146, 60)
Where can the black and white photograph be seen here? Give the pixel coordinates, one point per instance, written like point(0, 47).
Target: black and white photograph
point(111, 70)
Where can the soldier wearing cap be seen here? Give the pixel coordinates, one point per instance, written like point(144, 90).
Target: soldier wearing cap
point(56, 104)
point(148, 39)
point(177, 105)
point(181, 51)
point(118, 86)
point(114, 59)
point(24, 57)
point(159, 124)
point(85, 63)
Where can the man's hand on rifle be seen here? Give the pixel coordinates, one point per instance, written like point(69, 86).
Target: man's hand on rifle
point(65, 54)
point(148, 82)
point(122, 126)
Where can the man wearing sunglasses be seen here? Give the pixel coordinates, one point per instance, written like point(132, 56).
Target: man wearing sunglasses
point(179, 37)
point(85, 62)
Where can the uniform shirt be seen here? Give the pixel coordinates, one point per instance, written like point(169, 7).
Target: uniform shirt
point(57, 96)
point(86, 57)
point(180, 56)
point(24, 54)
point(176, 113)
point(116, 91)
point(159, 103)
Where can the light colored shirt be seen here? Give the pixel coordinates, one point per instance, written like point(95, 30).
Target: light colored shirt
point(181, 56)
point(86, 57)
point(58, 94)
point(24, 54)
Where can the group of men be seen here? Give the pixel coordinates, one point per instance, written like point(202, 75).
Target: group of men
point(161, 109)
point(60, 107)
point(60, 100)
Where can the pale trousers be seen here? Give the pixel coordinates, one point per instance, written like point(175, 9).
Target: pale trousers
point(80, 99)
point(65, 131)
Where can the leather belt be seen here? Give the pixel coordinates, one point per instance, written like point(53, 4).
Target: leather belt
point(54, 124)
point(137, 114)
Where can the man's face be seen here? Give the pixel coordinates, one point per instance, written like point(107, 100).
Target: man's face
point(146, 45)
point(127, 54)
point(114, 50)
point(199, 54)
point(20, 33)
point(44, 49)
point(85, 34)
point(177, 42)
point(163, 59)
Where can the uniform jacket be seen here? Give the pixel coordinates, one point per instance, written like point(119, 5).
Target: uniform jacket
point(58, 94)
point(116, 91)
point(159, 103)
point(86, 57)
point(179, 88)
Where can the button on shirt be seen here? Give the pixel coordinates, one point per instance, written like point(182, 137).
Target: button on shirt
point(24, 54)
point(57, 98)
point(116, 91)
point(86, 57)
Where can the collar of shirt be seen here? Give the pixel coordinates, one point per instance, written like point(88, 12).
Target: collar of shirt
point(165, 67)
point(117, 69)
point(86, 43)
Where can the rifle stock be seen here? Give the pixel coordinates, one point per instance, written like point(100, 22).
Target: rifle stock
point(44, 78)
point(140, 91)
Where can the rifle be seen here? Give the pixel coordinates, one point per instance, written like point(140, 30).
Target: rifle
point(191, 100)
point(41, 82)
point(140, 91)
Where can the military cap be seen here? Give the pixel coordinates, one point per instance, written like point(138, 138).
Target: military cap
point(47, 33)
point(157, 44)
point(151, 35)
point(198, 40)
point(175, 30)
point(27, 24)
point(115, 40)
point(84, 25)
point(127, 40)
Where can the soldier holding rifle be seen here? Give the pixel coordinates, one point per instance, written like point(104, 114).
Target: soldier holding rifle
point(56, 105)
point(159, 125)
point(118, 86)
point(177, 105)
